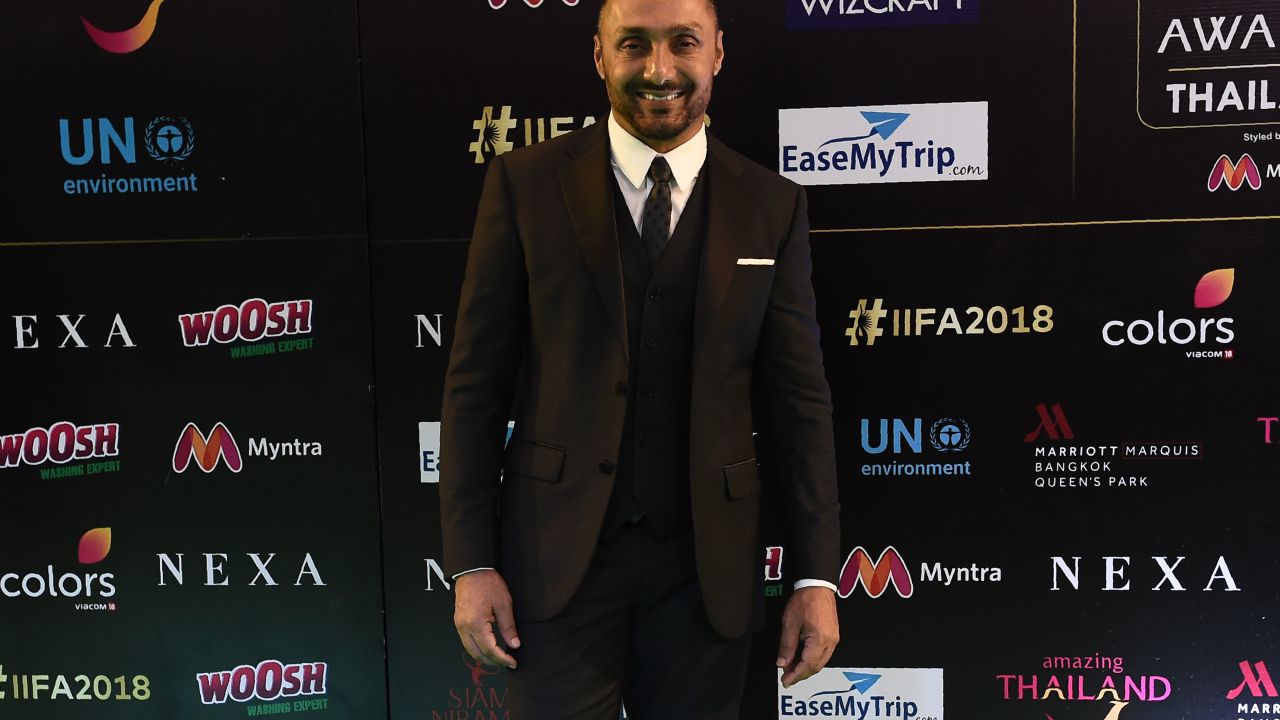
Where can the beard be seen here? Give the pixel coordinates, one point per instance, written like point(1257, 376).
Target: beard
point(664, 123)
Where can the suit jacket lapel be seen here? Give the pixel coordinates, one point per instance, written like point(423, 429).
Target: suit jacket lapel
point(725, 230)
point(588, 195)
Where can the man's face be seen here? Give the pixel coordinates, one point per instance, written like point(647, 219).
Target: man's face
point(657, 59)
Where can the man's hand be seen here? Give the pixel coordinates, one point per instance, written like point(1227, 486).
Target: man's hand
point(809, 624)
point(481, 599)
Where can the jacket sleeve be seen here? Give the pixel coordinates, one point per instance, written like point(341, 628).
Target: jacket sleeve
point(488, 345)
point(798, 402)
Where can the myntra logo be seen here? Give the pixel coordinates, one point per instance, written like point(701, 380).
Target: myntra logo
point(94, 547)
point(1235, 174)
point(206, 450)
point(268, 680)
point(126, 41)
point(875, 577)
point(60, 443)
point(250, 321)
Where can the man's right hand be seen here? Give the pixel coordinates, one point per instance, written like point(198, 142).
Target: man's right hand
point(481, 598)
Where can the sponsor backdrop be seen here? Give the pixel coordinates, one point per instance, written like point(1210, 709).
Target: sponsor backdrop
point(1044, 261)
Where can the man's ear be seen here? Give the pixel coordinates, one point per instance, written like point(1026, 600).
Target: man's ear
point(719, 52)
point(599, 56)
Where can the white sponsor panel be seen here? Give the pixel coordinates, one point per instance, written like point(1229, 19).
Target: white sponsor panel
point(883, 143)
point(865, 694)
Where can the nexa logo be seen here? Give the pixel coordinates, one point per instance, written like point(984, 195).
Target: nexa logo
point(1236, 174)
point(1053, 423)
point(219, 444)
point(126, 41)
point(26, 338)
point(1115, 568)
point(250, 321)
point(216, 574)
point(875, 576)
point(434, 333)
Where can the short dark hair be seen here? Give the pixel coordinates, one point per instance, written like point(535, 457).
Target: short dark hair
point(715, 13)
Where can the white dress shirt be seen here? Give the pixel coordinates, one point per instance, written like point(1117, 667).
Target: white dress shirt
point(630, 159)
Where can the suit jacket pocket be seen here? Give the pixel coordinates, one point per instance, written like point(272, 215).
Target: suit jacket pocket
point(534, 459)
point(742, 479)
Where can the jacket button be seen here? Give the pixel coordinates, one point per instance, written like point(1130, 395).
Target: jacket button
point(647, 392)
point(651, 342)
point(646, 441)
point(606, 467)
point(655, 294)
point(620, 388)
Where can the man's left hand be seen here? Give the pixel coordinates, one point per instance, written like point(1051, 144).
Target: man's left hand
point(810, 631)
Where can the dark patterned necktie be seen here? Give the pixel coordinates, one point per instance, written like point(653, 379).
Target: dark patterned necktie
point(655, 222)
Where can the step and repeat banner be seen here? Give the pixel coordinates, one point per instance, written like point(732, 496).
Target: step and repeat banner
point(1044, 255)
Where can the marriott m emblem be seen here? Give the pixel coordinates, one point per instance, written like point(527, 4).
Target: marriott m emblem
point(1053, 422)
point(1259, 684)
point(206, 450)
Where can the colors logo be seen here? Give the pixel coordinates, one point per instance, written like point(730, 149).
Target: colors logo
point(60, 443)
point(875, 577)
point(126, 41)
point(268, 680)
point(1212, 290)
point(94, 547)
point(1235, 174)
point(206, 450)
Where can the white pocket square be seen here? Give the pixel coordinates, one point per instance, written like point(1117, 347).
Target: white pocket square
point(755, 261)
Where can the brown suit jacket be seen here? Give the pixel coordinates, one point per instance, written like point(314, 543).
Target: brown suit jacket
point(541, 338)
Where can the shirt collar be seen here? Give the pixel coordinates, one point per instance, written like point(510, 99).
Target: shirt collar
point(633, 157)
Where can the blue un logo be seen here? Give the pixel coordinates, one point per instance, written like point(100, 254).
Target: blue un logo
point(949, 435)
point(169, 139)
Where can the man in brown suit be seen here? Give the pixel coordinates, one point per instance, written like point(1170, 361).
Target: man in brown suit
point(638, 299)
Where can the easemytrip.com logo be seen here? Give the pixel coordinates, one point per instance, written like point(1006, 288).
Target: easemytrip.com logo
point(884, 144)
point(270, 682)
point(948, 436)
point(832, 14)
point(865, 694)
point(1212, 290)
point(60, 444)
point(1060, 461)
point(168, 140)
point(865, 321)
point(219, 447)
point(429, 448)
point(875, 577)
point(493, 131)
point(125, 41)
point(93, 548)
point(1098, 681)
point(1257, 681)
point(252, 321)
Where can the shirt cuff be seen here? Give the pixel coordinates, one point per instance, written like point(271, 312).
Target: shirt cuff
point(464, 572)
point(807, 583)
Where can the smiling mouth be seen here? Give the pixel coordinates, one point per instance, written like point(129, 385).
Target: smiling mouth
point(661, 97)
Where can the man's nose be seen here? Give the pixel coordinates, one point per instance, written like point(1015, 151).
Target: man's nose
point(660, 69)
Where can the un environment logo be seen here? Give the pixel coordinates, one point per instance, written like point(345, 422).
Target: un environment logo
point(169, 139)
point(949, 435)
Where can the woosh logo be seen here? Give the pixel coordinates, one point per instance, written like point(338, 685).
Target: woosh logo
point(126, 41)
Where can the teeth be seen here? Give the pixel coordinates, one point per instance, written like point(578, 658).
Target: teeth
point(649, 96)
